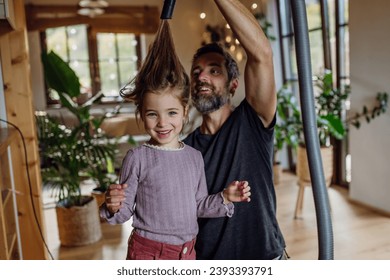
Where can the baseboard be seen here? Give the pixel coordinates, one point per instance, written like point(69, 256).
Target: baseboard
point(369, 207)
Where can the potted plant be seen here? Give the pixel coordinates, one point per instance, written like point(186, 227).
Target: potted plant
point(71, 154)
point(330, 102)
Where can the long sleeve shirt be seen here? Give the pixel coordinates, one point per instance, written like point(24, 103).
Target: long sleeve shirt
point(166, 194)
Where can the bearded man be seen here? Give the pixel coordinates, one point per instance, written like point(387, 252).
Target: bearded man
point(237, 143)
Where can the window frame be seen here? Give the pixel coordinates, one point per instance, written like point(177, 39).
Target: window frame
point(93, 62)
point(134, 19)
point(286, 43)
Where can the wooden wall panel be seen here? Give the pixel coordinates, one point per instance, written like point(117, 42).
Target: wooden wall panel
point(18, 98)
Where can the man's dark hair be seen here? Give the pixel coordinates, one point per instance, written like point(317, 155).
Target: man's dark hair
point(230, 63)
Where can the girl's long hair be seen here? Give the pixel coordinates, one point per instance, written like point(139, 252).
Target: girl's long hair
point(160, 70)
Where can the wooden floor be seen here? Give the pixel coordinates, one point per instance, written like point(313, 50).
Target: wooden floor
point(358, 233)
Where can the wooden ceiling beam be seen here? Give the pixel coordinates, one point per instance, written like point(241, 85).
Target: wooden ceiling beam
point(132, 19)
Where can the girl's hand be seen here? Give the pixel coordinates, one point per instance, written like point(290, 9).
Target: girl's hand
point(237, 191)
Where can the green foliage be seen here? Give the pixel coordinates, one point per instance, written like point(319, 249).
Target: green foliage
point(59, 76)
point(288, 123)
point(368, 115)
point(329, 105)
point(71, 154)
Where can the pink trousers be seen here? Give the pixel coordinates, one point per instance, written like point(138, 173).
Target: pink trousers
point(140, 248)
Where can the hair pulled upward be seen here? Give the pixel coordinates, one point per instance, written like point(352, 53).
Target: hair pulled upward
point(161, 69)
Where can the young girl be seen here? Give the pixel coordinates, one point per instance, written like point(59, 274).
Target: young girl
point(163, 181)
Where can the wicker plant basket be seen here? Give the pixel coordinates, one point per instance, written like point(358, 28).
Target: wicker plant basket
point(303, 171)
point(79, 225)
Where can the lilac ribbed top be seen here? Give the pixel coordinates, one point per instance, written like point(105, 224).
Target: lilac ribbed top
point(166, 194)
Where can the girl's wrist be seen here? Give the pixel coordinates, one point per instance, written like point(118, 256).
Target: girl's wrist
point(224, 197)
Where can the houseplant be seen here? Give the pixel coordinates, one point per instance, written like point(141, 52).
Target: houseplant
point(71, 154)
point(329, 105)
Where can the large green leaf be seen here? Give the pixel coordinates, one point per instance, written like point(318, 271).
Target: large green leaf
point(59, 76)
point(334, 124)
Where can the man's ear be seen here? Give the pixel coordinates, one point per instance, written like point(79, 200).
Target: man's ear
point(233, 86)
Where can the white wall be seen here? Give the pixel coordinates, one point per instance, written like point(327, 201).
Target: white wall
point(370, 73)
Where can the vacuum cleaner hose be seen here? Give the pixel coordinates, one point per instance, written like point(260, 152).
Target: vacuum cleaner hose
point(321, 200)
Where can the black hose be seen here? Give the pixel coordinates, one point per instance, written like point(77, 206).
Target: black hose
point(321, 200)
point(168, 8)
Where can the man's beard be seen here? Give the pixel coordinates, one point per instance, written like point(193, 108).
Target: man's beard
point(208, 103)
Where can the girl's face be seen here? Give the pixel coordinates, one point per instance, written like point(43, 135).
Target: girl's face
point(163, 116)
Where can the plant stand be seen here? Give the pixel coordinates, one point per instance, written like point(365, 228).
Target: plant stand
point(303, 173)
point(79, 225)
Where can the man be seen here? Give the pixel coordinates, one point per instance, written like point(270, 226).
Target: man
point(237, 143)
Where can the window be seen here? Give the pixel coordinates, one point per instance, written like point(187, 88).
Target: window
point(118, 61)
point(102, 61)
point(329, 41)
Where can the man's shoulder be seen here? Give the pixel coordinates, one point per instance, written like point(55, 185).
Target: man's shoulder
point(191, 136)
point(190, 149)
